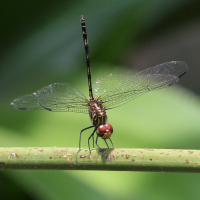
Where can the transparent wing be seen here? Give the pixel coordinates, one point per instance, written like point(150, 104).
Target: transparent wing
point(61, 97)
point(116, 89)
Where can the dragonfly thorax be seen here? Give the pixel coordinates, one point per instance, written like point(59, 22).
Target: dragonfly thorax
point(97, 112)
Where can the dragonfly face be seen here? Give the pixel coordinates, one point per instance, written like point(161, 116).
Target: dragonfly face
point(109, 92)
point(104, 131)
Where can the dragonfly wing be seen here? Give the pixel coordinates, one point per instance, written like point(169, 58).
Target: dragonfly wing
point(116, 89)
point(56, 97)
point(26, 102)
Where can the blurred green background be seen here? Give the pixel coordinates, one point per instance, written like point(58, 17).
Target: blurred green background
point(41, 44)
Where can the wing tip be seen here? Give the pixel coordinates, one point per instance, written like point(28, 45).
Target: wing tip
point(12, 104)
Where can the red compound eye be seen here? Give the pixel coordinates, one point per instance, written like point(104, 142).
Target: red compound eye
point(109, 127)
point(102, 128)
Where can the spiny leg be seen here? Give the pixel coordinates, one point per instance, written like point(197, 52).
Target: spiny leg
point(111, 143)
point(106, 143)
point(80, 138)
point(100, 149)
point(96, 141)
point(93, 140)
point(92, 135)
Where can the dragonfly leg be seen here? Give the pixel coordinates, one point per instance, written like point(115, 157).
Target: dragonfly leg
point(100, 149)
point(92, 135)
point(93, 140)
point(96, 141)
point(80, 138)
point(106, 143)
point(111, 143)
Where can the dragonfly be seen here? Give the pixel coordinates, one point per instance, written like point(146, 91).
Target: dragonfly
point(105, 93)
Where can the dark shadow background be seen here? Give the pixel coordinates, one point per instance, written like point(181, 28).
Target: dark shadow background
point(41, 44)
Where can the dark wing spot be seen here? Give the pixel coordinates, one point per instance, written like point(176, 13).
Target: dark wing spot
point(49, 109)
point(182, 74)
point(172, 83)
point(22, 108)
point(179, 77)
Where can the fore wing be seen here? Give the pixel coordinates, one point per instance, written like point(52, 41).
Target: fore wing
point(58, 97)
point(116, 89)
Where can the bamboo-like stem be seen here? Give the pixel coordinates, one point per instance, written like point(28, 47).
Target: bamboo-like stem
point(118, 159)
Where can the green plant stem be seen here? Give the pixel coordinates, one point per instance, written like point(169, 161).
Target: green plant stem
point(119, 159)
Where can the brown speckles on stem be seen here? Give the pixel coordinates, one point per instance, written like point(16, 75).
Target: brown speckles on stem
point(69, 160)
point(14, 154)
point(187, 162)
point(149, 149)
point(82, 156)
point(65, 156)
point(41, 150)
point(50, 157)
point(142, 157)
point(91, 157)
point(150, 159)
point(109, 159)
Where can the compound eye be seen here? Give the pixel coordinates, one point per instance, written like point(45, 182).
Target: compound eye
point(109, 127)
point(102, 128)
point(105, 131)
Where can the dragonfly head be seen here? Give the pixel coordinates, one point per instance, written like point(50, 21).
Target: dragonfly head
point(104, 131)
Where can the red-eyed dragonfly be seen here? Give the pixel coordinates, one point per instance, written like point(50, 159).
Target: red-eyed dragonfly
point(108, 92)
